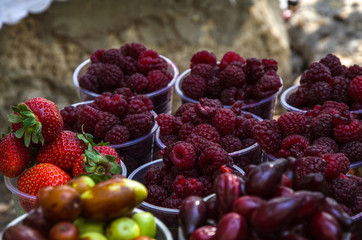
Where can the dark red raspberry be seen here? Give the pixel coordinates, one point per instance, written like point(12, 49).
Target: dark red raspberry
point(114, 103)
point(111, 56)
point(339, 106)
point(355, 89)
point(206, 71)
point(212, 158)
point(317, 72)
point(185, 130)
point(156, 80)
point(229, 96)
point(132, 49)
point(348, 133)
point(206, 107)
point(270, 64)
point(128, 65)
point(145, 99)
point(343, 190)
point(293, 145)
point(138, 124)
point(268, 134)
point(156, 195)
point(184, 187)
point(267, 85)
point(167, 182)
point(353, 71)
point(89, 82)
point(353, 150)
point(340, 89)
point(173, 201)
point(254, 70)
point(333, 63)
point(182, 108)
point(190, 173)
point(190, 115)
point(153, 176)
point(336, 163)
point(137, 83)
point(87, 118)
point(183, 155)
point(230, 57)
point(194, 86)
point(244, 126)
point(302, 96)
point(320, 92)
point(247, 142)
point(232, 76)
point(118, 134)
point(207, 181)
point(231, 143)
point(326, 141)
point(224, 121)
point(150, 60)
point(96, 69)
point(292, 122)
point(237, 107)
point(126, 92)
point(310, 164)
point(203, 57)
point(207, 131)
point(112, 77)
point(167, 140)
point(96, 56)
point(199, 143)
point(70, 117)
point(213, 88)
point(356, 106)
point(105, 122)
point(166, 122)
point(317, 150)
point(321, 126)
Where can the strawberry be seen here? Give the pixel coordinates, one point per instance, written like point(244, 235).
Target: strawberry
point(63, 151)
point(14, 156)
point(37, 120)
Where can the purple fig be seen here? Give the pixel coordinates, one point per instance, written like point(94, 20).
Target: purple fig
point(310, 203)
point(332, 207)
point(323, 226)
point(283, 191)
point(204, 233)
point(312, 182)
point(245, 205)
point(21, 232)
point(232, 226)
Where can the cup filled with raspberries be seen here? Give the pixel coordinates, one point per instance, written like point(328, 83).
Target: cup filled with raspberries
point(132, 65)
point(121, 118)
point(326, 80)
point(38, 152)
point(265, 203)
point(207, 123)
point(253, 81)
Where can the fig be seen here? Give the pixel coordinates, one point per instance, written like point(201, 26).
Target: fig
point(81, 183)
point(292, 236)
point(312, 182)
point(21, 232)
point(283, 191)
point(192, 214)
point(212, 213)
point(204, 233)
point(112, 198)
point(36, 220)
point(64, 231)
point(62, 203)
point(232, 226)
point(332, 207)
point(324, 226)
point(310, 203)
point(245, 205)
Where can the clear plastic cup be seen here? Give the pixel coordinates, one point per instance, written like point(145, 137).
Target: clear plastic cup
point(161, 99)
point(264, 108)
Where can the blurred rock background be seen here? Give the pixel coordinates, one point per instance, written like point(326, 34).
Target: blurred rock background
point(39, 54)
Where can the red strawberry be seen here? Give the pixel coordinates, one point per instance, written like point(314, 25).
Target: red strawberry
point(107, 150)
point(78, 167)
point(14, 156)
point(63, 151)
point(37, 119)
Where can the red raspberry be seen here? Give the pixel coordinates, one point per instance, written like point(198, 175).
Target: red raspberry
point(326, 141)
point(244, 126)
point(182, 108)
point(203, 57)
point(207, 131)
point(70, 117)
point(232, 76)
point(145, 99)
point(149, 60)
point(87, 118)
point(237, 107)
point(190, 173)
point(224, 121)
point(137, 83)
point(96, 69)
point(320, 92)
point(132, 49)
point(212, 158)
point(340, 89)
point(353, 71)
point(317, 150)
point(317, 72)
point(112, 103)
point(184, 187)
point(153, 176)
point(254, 70)
point(231, 143)
point(206, 107)
point(348, 133)
point(321, 125)
point(343, 190)
point(310, 164)
point(156, 195)
point(356, 106)
point(213, 87)
point(126, 92)
point(355, 89)
point(207, 181)
point(339, 106)
point(105, 122)
point(128, 65)
point(333, 63)
point(89, 82)
point(167, 182)
point(136, 105)
point(96, 56)
point(292, 122)
point(183, 156)
point(156, 80)
point(293, 145)
point(185, 131)
point(118, 134)
point(111, 56)
point(138, 124)
point(173, 201)
point(267, 85)
point(230, 57)
point(302, 96)
point(336, 163)
point(206, 71)
point(194, 86)
point(268, 134)
point(229, 96)
point(166, 122)
point(353, 150)
point(199, 143)
point(247, 142)
point(270, 64)
point(112, 77)
point(167, 140)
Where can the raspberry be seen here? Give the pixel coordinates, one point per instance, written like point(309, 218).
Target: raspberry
point(348, 133)
point(167, 140)
point(206, 107)
point(327, 142)
point(237, 108)
point(182, 108)
point(203, 57)
point(112, 77)
point(321, 126)
point(199, 143)
point(87, 118)
point(207, 181)
point(89, 82)
point(132, 49)
point(343, 190)
point(183, 155)
point(156, 80)
point(339, 106)
point(339, 91)
point(212, 158)
point(333, 63)
point(128, 65)
point(229, 96)
point(137, 83)
point(105, 122)
point(293, 145)
point(153, 176)
point(118, 134)
point(292, 122)
point(230, 57)
point(145, 99)
point(190, 173)
point(247, 142)
point(224, 121)
point(320, 92)
point(355, 89)
point(254, 70)
point(184, 187)
point(113, 103)
point(356, 106)
point(232, 76)
point(207, 131)
point(268, 134)
point(111, 56)
point(317, 72)
point(317, 150)
point(156, 195)
point(310, 164)
point(267, 85)
point(302, 96)
point(96, 69)
point(166, 122)
point(185, 131)
point(126, 92)
point(138, 124)
point(353, 71)
point(150, 60)
point(231, 143)
point(206, 71)
point(194, 86)
point(167, 182)
point(136, 106)
point(213, 88)
point(96, 56)
point(70, 117)
point(336, 163)
point(244, 126)
point(173, 201)
point(270, 64)
point(353, 150)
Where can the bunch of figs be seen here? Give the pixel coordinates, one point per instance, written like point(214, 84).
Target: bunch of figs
point(58, 207)
point(262, 205)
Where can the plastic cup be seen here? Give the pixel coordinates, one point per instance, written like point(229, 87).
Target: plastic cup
point(162, 232)
point(263, 108)
point(161, 99)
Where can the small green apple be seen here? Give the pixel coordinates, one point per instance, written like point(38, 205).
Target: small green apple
point(92, 236)
point(146, 222)
point(85, 225)
point(123, 228)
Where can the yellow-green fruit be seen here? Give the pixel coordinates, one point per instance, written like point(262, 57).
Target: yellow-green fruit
point(123, 228)
point(85, 225)
point(93, 236)
point(146, 222)
point(81, 183)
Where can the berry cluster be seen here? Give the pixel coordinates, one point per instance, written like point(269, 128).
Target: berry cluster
point(329, 80)
point(232, 79)
point(141, 70)
point(115, 117)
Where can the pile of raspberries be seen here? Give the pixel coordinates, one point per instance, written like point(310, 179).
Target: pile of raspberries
point(329, 80)
point(115, 117)
point(133, 66)
point(232, 79)
point(324, 140)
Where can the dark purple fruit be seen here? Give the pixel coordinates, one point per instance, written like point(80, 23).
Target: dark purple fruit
point(312, 182)
point(323, 226)
point(310, 203)
point(232, 226)
point(245, 205)
point(204, 233)
point(283, 191)
point(36, 220)
point(21, 232)
point(212, 211)
point(292, 236)
point(332, 207)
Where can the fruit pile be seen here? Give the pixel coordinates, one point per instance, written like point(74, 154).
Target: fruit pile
point(82, 210)
point(115, 117)
point(262, 205)
point(232, 79)
point(133, 66)
point(329, 80)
